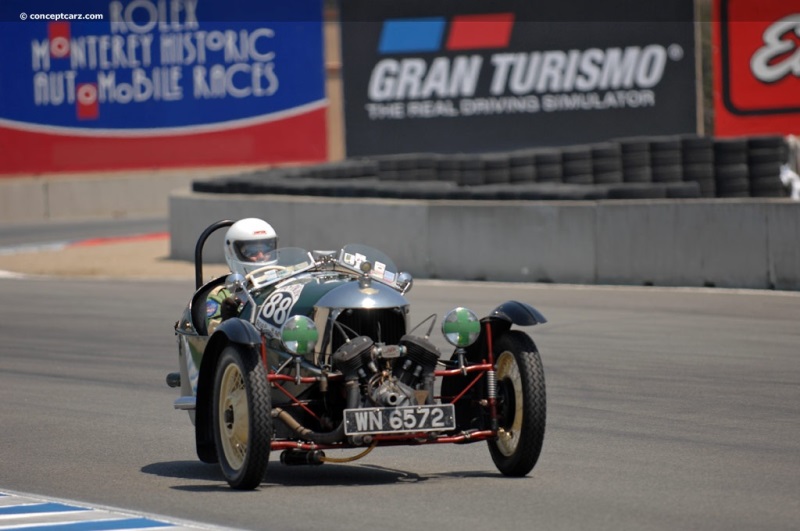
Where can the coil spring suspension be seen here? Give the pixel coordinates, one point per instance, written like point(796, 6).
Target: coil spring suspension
point(491, 385)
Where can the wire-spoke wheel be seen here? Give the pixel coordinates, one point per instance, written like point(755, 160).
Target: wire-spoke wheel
point(242, 417)
point(521, 404)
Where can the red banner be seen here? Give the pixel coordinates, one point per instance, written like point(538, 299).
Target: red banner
point(756, 67)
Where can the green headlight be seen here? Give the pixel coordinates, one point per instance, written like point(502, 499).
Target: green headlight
point(299, 335)
point(461, 327)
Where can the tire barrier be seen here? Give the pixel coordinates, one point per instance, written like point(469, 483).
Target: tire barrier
point(686, 166)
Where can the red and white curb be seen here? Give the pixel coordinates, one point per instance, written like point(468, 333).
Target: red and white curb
point(87, 242)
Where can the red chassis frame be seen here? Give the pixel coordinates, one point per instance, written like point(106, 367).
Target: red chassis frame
point(406, 438)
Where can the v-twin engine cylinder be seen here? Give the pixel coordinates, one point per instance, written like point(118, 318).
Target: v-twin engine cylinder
point(390, 375)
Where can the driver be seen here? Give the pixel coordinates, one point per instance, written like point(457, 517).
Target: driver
point(248, 246)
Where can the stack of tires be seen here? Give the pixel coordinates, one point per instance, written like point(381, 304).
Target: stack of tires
point(548, 165)
point(577, 161)
point(496, 168)
point(635, 153)
point(407, 167)
point(607, 163)
point(469, 169)
point(522, 168)
point(344, 169)
point(448, 168)
point(630, 168)
point(665, 160)
point(731, 174)
point(765, 156)
point(697, 157)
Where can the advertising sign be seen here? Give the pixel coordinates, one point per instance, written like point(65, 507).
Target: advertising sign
point(101, 84)
point(756, 67)
point(437, 75)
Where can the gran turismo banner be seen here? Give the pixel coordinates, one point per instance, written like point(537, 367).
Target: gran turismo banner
point(756, 67)
point(99, 84)
point(438, 75)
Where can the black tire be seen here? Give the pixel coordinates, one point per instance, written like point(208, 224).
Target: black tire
point(683, 190)
point(708, 187)
point(583, 178)
point(522, 157)
point(242, 430)
point(698, 172)
point(698, 156)
point(450, 175)
point(609, 177)
point(637, 191)
point(730, 151)
point(767, 156)
point(666, 158)
point(636, 159)
point(767, 142)
point(607, 165)
point(497, 176)
point(667, 174)
point(643, 174)
point(765, 170)
point(471, 178)
point(549, 173)
point(522, 404)
point(523, 174)
point(665, 144)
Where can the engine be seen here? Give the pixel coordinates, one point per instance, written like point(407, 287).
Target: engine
point(389, 375)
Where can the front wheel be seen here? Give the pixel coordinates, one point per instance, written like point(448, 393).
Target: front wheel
point(242, 417)
point(521, 404)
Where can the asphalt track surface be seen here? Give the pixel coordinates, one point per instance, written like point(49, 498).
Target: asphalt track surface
point(667, 409)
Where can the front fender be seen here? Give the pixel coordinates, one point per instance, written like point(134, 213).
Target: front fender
point(493, 326)
point(230, 331)
point(235, 331)
point(518, 313)
point(500, 320)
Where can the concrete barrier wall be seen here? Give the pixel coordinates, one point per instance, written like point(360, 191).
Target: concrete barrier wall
point(101, 195)
point(737, 243)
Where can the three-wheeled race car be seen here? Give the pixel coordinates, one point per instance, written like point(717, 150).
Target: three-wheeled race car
point(322, 356)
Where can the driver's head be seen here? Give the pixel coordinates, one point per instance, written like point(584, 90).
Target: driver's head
point(249, 244)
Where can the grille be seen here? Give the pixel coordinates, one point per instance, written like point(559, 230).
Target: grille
point(391, 323)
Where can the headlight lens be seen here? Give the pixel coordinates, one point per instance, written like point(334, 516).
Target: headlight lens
point(461, 327)
point(299, 335)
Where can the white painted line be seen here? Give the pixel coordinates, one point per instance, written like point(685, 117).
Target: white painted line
point(33, 248)
point(23, 512)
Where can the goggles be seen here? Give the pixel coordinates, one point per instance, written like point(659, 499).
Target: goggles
point(254, 249)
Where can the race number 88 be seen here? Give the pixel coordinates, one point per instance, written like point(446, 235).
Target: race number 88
point(277, 307)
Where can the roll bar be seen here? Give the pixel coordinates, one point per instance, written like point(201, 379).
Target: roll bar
point(198, 249)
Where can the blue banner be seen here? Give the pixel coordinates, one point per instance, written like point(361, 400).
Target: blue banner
point(140, 65)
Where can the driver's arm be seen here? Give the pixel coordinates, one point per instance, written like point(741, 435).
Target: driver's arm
point(220, 305)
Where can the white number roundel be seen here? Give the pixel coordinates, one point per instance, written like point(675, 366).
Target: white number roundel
point(277, 307)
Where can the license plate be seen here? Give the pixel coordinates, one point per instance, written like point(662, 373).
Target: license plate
point(375, 420)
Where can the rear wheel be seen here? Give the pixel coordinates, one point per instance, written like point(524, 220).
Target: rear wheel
point(521, 404)
point(242, 417)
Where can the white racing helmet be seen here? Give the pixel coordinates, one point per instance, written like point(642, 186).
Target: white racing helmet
point(249, 244)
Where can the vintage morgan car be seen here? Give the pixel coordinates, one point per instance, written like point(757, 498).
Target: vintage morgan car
point(322, 356)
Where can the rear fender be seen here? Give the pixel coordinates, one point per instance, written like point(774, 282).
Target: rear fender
point(231, 331)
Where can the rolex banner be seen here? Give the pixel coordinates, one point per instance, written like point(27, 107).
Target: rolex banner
point(113, 84)
point(444, 76)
